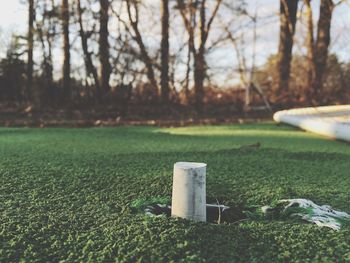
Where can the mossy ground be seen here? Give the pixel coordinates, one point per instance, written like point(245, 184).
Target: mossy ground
point(65, 194)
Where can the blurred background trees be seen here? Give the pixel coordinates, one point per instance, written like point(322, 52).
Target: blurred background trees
point(172, 55)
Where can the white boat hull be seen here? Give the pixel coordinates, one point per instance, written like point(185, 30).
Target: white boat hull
point(330, 121)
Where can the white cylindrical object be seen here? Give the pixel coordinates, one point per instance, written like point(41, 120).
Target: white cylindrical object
point(189, 191)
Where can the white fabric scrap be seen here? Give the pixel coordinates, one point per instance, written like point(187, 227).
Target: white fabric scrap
point(323, 216)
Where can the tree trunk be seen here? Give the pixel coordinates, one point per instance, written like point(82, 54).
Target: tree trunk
point(50, 38)
point(310, 48)
point(30, 50)
point(288, 17)
point(199, 77)
point(66, 51)
point(199, 62)
point(44, 92)
point(200, 65)
point(189, 25)
point(165, 52)
point(105, 67)
point(187, 76)
point(322, 44)
point(90, 68)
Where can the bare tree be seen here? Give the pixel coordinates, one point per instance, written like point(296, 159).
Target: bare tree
point(309, 46)
point(105, 67)
point(321, 45)
point(30, 48)
point(165, 51)
point(199, 64)
point(66, 49)
point(188, 15)
point(89, 65)
point(46, 28)
point(318, 51)
point(133, 8)
point(288, 18)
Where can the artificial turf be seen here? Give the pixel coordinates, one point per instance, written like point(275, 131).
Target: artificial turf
point(65, 194)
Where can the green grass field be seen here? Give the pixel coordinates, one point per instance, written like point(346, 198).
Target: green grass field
point(65, 194)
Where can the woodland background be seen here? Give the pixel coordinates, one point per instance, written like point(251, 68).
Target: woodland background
point(111, 60)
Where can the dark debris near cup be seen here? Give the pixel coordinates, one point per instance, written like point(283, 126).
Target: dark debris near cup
point(160, 206)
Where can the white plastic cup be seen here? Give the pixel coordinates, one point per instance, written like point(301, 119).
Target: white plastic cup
point(189, 191)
